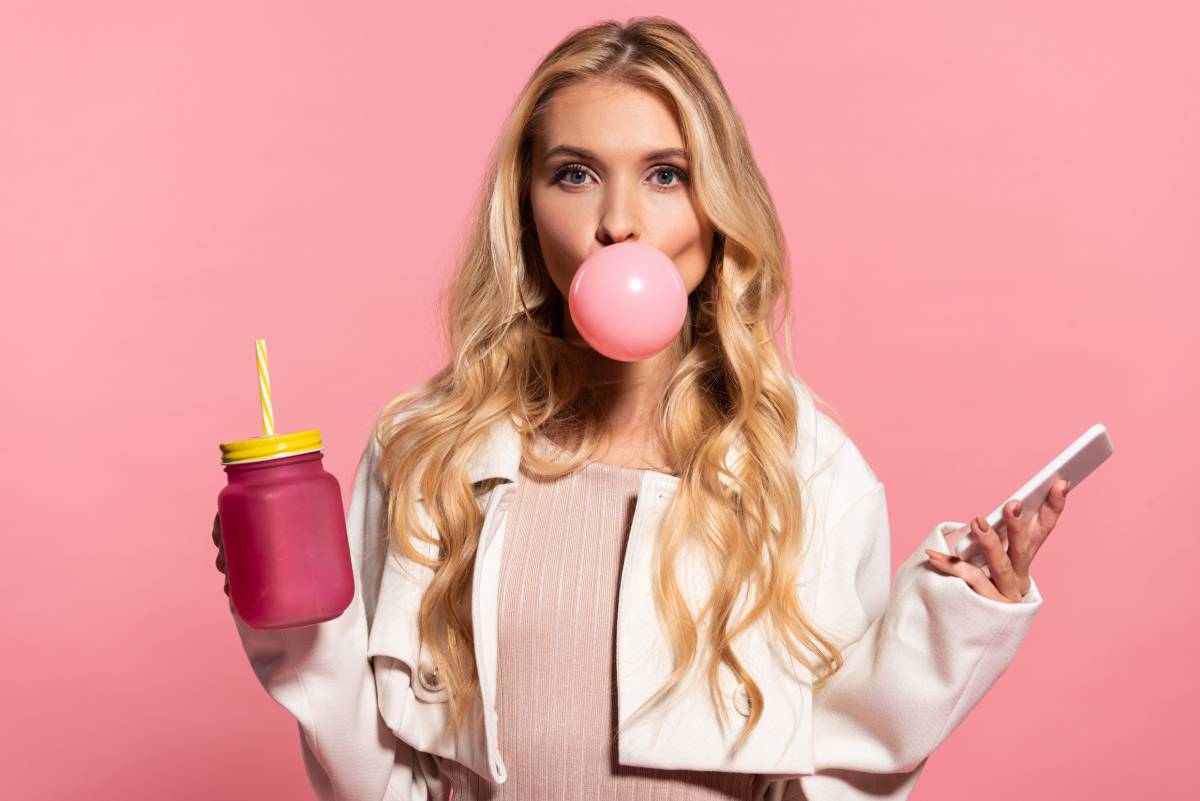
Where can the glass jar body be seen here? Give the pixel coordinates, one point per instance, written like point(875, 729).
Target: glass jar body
point(287, 556)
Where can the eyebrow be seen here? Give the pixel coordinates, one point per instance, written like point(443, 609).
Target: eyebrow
point(578, 152)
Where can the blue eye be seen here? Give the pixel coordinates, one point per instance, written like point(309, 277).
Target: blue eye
point(679, 174)
point(569, 169)
point(665, 169)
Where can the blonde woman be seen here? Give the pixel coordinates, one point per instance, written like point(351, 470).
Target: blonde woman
point(579, 578)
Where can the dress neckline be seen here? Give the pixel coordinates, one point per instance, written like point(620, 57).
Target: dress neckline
point(626, 468)
point(610, 465)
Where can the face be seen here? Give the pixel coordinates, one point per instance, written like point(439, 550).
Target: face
point(597, 180)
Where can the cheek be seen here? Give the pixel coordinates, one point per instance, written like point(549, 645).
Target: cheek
point(693, 268)
point(557, 226)
point(691, 249)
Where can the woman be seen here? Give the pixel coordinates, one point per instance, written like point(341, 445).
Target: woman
point(584, 578)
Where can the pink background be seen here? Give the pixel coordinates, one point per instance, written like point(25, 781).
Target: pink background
point(992, 211)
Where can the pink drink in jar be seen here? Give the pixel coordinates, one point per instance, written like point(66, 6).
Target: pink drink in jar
point(287, 556)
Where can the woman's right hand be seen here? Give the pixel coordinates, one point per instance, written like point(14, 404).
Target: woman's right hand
point(220, 549)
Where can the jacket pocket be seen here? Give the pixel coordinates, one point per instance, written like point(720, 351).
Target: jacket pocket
point(412, 698)
point(404, 670)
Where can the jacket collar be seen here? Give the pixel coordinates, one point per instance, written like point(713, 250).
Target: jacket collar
point(499, 456)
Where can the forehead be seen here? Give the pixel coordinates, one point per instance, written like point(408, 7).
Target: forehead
point(611, 119)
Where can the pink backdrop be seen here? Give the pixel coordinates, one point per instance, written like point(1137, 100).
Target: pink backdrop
point(992, 215)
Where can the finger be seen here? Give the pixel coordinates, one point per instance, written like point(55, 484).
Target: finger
point(220, 562)
point(1051, 508)
point(975, 578)
point(227, 586)
point(1016, 526)
point(1003, 577)
point(217, 529)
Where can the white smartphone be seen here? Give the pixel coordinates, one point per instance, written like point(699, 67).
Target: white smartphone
point(1074, 464)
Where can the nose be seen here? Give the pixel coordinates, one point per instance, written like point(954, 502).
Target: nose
point(620, 220)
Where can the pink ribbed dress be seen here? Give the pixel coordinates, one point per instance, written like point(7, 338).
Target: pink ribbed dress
point(556, 685)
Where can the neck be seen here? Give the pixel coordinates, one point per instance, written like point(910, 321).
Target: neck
point(630, 391)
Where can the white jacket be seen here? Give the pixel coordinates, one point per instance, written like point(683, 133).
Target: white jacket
point(924, 650)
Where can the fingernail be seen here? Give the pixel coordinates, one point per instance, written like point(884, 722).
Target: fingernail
point(982, 523)
point(1066, 488)
point(933, 554)
point(1017, 510)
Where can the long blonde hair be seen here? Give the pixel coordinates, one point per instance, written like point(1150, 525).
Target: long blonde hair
point(729, 384)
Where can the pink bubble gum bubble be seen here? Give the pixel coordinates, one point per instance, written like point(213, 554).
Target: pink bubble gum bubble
point(628, 301)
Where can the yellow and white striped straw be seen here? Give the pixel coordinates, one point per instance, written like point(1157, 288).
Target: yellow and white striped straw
point(264, 388)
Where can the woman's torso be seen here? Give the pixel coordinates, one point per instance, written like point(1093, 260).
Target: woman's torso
point(556, 691)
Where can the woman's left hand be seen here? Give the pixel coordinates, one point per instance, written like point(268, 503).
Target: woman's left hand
point(1009, 580)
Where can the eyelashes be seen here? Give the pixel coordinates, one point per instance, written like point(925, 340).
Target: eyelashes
point(680, 175)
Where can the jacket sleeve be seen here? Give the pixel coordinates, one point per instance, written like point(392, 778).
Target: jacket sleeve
point(322, 676)
point(923, 651)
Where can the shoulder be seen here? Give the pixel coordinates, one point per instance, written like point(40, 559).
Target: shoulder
point(832, 469)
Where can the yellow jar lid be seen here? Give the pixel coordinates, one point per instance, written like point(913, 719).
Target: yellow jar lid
point(257, 449)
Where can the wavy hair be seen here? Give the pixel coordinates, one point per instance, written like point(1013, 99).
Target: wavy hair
point(729, 384)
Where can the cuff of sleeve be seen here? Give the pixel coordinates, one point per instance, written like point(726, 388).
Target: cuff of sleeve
point(998, 626)
point(936, 541)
